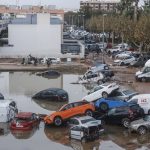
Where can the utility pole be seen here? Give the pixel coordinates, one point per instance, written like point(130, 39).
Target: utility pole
point(135, 10)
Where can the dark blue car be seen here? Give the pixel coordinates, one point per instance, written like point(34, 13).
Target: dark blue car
point(104, 104)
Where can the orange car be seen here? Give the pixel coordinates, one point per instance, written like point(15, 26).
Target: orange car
point(69, 110)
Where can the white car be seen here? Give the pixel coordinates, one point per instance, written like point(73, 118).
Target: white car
point(101, 91)
point(123, 54)
point(124, 61)
point(89, 77)
point(119, 47)
point(143, 100)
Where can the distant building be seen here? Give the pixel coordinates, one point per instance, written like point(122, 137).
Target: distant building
point(101, 5)
point(37, 34)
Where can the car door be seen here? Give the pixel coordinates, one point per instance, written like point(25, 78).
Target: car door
point(97, 93)
point(67, 111)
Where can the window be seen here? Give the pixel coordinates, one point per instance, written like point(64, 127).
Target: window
point(77, 128)
point(74, 122)
point(67, 107)
point(135, 100)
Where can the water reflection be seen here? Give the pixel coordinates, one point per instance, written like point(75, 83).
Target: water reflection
point(125, 139)
point(4, 129)
point(60, 135)
point(49, 105)
point(20, 134)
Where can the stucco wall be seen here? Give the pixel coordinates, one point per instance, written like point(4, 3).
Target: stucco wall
point(41, 39)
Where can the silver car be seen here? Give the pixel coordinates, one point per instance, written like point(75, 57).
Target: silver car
point(141, 126)
point(85, 128)
point(123, 94)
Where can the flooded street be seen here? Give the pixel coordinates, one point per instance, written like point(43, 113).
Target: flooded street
point(21, 86)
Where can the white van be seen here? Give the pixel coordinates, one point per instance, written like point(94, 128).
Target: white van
point(143, 100)
point(8, 110)
point(144, 74)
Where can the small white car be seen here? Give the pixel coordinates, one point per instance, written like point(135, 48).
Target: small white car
point(85, 128)
point(124, 61)
point(8, 110)
point(89, 77)
point(143, 100)
point(100, 91)
point(123, 54)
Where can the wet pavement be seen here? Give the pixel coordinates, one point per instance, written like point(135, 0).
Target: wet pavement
point(21, 86)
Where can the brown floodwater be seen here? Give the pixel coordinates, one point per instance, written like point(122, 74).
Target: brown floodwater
point(21, 86)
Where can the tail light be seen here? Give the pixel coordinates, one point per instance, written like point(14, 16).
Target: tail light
point(130, 113)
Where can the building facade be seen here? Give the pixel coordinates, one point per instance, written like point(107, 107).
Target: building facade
point(100, 5)
point(37, 34)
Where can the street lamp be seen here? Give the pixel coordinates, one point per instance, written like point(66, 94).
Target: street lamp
point(103, 27)
point(72, 20)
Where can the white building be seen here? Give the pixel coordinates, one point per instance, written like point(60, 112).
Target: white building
point(37, 34)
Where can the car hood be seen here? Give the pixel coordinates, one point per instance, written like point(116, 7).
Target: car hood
point(117, 61)
point(92, 123)
point(140, 121)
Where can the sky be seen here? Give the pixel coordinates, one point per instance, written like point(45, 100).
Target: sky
point(73, 4)
point(59, 3)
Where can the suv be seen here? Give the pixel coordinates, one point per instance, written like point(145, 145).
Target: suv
point(123, 115)
point(69, 110)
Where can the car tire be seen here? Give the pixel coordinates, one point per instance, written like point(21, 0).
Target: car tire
point(143, 79)
point(83, 140)
point(126, 122)
point(99, 82)
point(104, 94)
point(89, 113)
point(57, 121)
point(142, 130)
point(122, 64)
point(103, 107)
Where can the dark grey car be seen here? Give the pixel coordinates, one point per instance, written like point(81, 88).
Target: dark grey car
point(123, 94)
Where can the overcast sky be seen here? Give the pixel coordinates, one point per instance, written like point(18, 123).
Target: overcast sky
point(58, 3)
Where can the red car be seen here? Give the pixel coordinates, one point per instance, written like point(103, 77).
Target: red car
point(24, 121)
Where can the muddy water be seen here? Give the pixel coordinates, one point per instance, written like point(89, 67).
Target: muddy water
point(21, 86)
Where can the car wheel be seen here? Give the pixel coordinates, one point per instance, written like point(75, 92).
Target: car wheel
point(122, 64)
point(57, 121)
point(11, 114)
point(126, 122)
point(83, 140)
point(142, 130)
point(143, 79)
point(89, 113)
point(99, 82)
point(104, 94)
point(103, 107)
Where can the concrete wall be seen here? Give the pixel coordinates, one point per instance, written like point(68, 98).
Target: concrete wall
point(38, 40)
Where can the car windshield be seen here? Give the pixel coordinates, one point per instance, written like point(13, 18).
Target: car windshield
point(128, 92)
point(146, 118)
point(87, 120)
point(95, 89)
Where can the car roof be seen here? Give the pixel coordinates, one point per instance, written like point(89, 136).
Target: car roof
point(141, 96)
point(24, 115)
point(53, 89)
point(82, 118)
